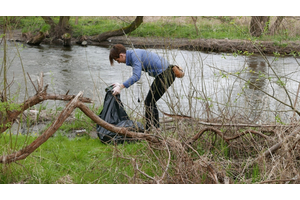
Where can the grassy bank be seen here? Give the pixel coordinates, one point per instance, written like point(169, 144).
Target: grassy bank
point(61, 160)
point(84, 160)
point(170, 27)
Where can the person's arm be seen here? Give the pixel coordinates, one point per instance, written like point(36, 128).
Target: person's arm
point(136, 72)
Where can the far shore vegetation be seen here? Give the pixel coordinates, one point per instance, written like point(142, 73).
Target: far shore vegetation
point(209, 27)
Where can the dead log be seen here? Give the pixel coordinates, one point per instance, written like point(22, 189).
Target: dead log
point(37, 39)
point(82, 40)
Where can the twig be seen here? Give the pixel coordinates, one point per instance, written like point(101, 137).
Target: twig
point(32, 82)
point(218, 132)
point(25, 170)
point(256, 87)
point(137, 168)
point(248, 131)
point(295, 144)
point(40, 81)
point(167, 167)
point(209, 167)
point(296, 102)
point(198, 135)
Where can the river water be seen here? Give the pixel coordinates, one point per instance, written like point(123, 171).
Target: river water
point(213, 86)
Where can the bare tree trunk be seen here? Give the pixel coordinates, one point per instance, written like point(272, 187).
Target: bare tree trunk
point(49, 21)
point(195, 21)
point(125, 30)
point(76, 20)
point(63, 24)
point(62, 30)
point(276, 25)
point(258, 25)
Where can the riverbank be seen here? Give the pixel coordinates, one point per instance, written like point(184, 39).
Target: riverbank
point(205, 45)
point(208, 45)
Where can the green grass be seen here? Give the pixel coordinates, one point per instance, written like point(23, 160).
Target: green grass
point(173, 30)
point(85, 160)
point(91, 26)
point(82, 160)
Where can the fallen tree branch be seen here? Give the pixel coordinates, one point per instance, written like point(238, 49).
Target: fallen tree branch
point(198, 135)
point(227, 139)
point(41, 96)
point(248, 131)
point(23, 153)
point(119, 130)
point(272, 149)
point(278, 145)
point(220, 124)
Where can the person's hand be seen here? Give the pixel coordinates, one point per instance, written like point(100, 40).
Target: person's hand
point(116, 84)
point(117, 88)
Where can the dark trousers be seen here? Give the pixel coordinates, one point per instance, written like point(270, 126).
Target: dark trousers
point(159, 86)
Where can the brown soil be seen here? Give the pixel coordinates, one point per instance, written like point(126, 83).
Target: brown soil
point(206, 45)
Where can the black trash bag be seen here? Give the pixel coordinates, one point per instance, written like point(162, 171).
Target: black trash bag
point(113, 112)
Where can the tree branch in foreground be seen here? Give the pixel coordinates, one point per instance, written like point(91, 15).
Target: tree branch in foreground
point(23, 153)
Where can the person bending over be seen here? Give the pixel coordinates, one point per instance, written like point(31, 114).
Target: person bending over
point(155, 65)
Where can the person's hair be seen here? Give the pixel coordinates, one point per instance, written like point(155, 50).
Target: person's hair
point(115, 52)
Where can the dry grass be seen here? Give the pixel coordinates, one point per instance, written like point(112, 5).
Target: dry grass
point(211, 159)
point(65, 180)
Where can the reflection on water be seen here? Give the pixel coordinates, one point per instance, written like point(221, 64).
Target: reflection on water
point(203, 87)
point(258, 69)
point(257, 73)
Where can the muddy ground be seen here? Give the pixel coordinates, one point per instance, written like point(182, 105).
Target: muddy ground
point(206, 45)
